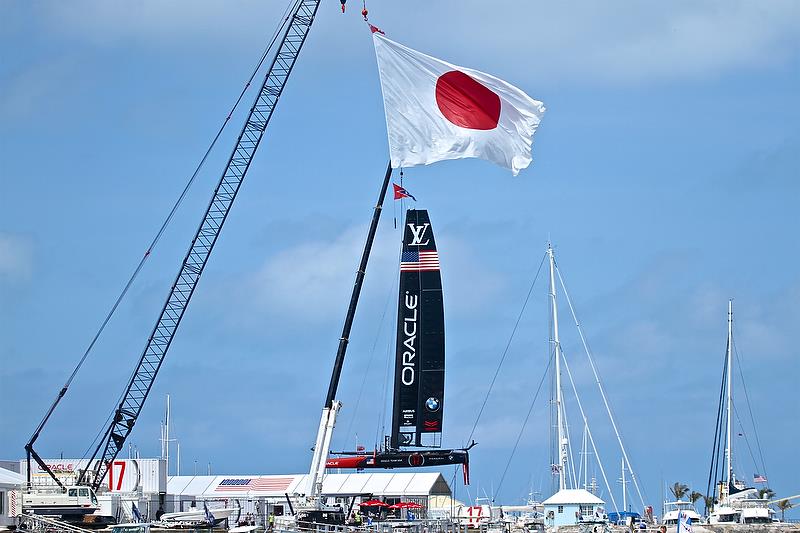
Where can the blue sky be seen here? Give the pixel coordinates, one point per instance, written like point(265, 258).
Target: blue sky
point(665, 172)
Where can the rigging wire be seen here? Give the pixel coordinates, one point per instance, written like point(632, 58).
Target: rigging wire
point(596, 374)
point(743, 434)
point(524, 424)
point(750, 410)
point(589, 433)
point(713, 471)
point(385, 403)
point(505, 351)
point(369, 365)
point(385, 389)
point(567, 432)
point(173, 210)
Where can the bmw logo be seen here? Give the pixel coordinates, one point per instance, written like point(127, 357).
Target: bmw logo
point(432, 404)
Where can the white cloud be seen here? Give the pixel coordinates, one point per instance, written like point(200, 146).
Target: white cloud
point(23, 93)
point(313, 280)
point(16, 258)
point(605, 42)
point(153, 23)
point(621, 42)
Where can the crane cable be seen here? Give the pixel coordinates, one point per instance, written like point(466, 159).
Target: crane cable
point(284, 20)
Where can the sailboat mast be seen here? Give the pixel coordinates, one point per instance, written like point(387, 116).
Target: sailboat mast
point(729, 408)
point(561, 436)
point(166, 435)
point(624, 490)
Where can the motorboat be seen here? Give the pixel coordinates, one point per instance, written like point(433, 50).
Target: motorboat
point(673, 509)
point(743, 507)
point(195, 515)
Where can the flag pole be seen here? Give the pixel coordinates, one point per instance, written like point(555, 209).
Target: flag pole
point(351, 310)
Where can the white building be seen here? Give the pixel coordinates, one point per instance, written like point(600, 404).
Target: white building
point(260, 495)
point(144, 482)
point(10, 496)
point(570, 506)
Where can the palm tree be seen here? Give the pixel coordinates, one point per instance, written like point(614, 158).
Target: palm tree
point(766, 492)
point(678, 490)
point(783, 505)
point(694, 496)
point(709, 503)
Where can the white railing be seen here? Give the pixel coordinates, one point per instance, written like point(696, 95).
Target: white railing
point(417, 526)
point(39, 523)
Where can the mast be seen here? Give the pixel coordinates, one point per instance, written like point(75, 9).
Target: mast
point(729, 400)
point(166, 435)
point(624, 492)
point(561, 434)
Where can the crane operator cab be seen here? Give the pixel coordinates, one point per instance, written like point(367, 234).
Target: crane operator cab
point(72, 500)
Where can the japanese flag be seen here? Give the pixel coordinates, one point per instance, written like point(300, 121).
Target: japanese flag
point(437, 111)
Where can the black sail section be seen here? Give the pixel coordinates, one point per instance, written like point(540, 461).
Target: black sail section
point(419, 365)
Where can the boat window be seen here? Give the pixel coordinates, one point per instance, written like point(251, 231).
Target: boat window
point(72, 493)
point(560, 508)
point(84, 493)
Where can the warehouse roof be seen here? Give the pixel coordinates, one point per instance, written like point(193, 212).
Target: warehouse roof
point(10, 478)
point(388, 484)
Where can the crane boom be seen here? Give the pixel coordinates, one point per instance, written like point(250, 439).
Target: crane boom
point(158, 344)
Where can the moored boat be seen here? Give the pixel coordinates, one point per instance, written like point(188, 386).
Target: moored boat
point(673, 510)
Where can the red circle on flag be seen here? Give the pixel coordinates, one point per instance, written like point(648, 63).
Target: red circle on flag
point(466, 102)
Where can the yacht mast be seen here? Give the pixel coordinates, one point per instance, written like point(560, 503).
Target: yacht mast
point(562, 438)
point(624, 491)
point(729, 385)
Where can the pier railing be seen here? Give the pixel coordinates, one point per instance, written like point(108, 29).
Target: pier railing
point(44, 524)
point(417, 526)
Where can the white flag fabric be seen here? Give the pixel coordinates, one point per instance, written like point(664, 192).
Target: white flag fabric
point(684, 523)
point(437, 111)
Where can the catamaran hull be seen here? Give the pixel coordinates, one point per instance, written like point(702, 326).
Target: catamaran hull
point(403, 459)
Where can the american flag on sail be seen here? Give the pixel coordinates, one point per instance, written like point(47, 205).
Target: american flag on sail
point(266, 484)
point(758, 478)
point(414, 260)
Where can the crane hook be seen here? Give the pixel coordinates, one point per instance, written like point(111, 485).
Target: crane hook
point(343, 3)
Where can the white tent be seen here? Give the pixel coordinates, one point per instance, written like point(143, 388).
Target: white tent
point(402, 484)
point(10, 479)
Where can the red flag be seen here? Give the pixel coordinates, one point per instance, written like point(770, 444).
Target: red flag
point(400, 192)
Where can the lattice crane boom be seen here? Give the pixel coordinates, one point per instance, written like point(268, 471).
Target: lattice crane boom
point(194, 263)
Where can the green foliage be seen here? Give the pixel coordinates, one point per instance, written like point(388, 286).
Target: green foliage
point(708, 501)
point(766, 492)
point(783, 505)
point(679, 490)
